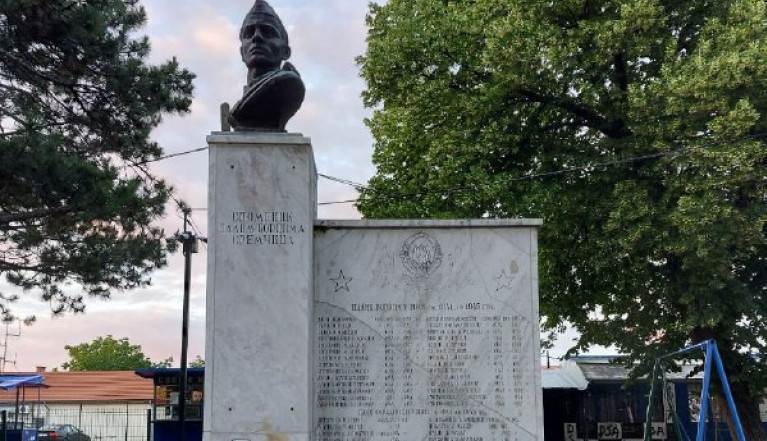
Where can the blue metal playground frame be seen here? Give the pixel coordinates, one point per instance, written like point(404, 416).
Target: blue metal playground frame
point(711, 354)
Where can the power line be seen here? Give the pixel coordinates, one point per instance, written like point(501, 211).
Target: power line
point(360, 186)
point(348, 182)
point(197, 231)
point(356, 185)
point(172, 155)
point(348, 201)
point(179, 204)
point(529, 177)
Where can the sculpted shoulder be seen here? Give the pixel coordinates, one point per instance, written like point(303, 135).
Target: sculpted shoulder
point(269, 102)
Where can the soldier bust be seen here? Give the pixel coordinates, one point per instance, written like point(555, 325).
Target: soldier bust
point(274, 92)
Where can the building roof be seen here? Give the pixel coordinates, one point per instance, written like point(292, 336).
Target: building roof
point(566, 376)
point(106, 386)
point(194, 372)
point(556, 379)
point(578, 372)
point(605, 368)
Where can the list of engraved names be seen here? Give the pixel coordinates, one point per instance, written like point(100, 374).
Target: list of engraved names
point(439, 372)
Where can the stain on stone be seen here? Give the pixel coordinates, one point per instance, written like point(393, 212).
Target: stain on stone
point(272, 435)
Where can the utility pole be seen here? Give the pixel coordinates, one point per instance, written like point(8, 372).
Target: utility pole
point(189, 243)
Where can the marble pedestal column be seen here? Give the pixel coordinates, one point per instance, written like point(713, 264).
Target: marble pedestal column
point(262, 201)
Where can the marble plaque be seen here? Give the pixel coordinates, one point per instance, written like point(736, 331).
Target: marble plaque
point(426, 330)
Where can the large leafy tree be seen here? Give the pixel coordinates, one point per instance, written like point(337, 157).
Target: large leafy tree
point(77, 104)
point(635, 129)
point(109, 354)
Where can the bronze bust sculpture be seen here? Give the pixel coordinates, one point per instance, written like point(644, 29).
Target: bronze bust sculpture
point(274, 92)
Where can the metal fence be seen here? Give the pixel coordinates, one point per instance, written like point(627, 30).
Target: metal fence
point(101, 423)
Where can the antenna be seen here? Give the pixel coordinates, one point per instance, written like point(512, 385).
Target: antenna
point(4, 344)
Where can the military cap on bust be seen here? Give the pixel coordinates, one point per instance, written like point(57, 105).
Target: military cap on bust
point(261, 7)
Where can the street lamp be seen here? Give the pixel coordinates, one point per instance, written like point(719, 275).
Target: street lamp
point(189, 246)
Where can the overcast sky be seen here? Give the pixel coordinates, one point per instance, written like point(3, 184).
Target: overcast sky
point(325, 37)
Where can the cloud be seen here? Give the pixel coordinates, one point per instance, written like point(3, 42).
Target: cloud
point(325, 37)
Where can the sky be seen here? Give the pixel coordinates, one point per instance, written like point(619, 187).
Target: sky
point(325, 36)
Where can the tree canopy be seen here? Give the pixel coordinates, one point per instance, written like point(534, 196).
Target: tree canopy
point(77, 104)
point(635, 129)
point(109, 354)
point(198, 362)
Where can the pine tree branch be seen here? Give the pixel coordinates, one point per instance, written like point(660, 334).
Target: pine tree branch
point(7, 218)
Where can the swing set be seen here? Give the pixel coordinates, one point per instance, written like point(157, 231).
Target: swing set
point(659, 371)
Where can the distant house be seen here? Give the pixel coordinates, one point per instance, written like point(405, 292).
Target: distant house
point(587, 398)
point(107, 406)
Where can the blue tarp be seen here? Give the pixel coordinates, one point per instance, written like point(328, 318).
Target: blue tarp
point(10, 382)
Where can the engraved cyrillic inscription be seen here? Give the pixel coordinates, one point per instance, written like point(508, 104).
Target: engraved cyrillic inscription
point(261, 228)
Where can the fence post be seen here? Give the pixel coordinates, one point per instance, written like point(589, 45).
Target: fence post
point(148, 424)
point(4, 417)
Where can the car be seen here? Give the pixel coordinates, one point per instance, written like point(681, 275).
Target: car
point(61, 432)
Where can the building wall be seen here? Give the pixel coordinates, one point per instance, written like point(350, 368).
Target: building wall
point(616, 412)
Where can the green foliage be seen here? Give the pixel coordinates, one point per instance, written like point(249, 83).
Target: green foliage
point(198, 362)
point(107, 354)
point(479, 105)
point(77, 104)
point(167, 363)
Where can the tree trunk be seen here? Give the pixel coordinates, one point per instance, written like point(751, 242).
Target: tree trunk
point(748, 411)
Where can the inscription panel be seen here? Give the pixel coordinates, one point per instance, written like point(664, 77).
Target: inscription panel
point(261, 228)
point(427, 334)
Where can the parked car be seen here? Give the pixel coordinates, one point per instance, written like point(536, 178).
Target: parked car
point(61, 432)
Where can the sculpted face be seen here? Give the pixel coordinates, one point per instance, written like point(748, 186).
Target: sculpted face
point(263, 44)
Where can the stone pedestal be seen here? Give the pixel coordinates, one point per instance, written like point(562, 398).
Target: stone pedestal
point(262, 201)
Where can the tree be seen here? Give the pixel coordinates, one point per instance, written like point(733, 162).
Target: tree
point(108, 354)
point(198, 362)
point(77, 104)
point(167, 363)
point(635, 129)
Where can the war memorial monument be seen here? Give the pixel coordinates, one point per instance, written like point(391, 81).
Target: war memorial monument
point(406, 330)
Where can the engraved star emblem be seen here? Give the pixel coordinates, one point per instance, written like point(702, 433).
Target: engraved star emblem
point(342, 282)
point(504, 281)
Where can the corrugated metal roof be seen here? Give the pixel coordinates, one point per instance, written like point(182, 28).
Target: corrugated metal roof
point(604, 369)
point(578, 372)
point(565, 376)
point(556, 379)
point(88, 386)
